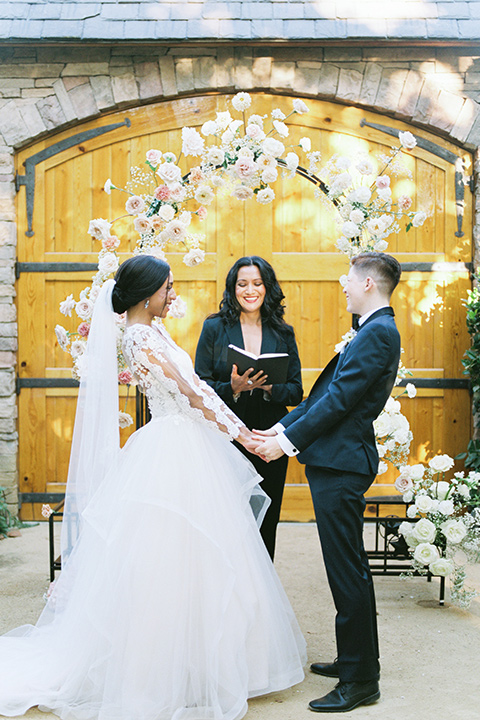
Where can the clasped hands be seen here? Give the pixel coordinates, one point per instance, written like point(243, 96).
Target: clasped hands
point(262, 442)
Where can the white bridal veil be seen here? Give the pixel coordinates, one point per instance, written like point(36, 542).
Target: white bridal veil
point(96, 437)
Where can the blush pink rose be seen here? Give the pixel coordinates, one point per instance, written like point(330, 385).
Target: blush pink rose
point(245, 167)
point(125, 377)
point(162, 192)
point(196, 175)
point(404, 202)
point(111, 242)
point(83, 329)
point(382, 182)
point(202, 212)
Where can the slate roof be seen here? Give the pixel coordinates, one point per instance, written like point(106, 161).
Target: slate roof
point(247, 20)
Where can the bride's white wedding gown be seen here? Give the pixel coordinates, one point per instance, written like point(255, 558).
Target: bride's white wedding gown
point(169, 607)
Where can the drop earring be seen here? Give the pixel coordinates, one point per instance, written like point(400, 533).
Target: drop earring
point(147, 303)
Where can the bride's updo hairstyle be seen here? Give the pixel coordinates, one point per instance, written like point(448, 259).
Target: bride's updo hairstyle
point(137, 279)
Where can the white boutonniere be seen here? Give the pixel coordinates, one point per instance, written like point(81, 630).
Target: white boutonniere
point(347, 338)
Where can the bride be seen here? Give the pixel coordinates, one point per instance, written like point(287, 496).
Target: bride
point(168, 606)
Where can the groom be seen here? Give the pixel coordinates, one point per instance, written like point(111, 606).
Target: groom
point(332, 430)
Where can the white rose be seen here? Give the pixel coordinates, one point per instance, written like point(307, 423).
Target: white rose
point(99, 228)
point(441, 463)
point(255, 132)
point(356, 216)
point(423, 503)
point(381, 449)
point(242, 192)
point(215, 156)
point(381, 246)
point(342, 244)
point(412, 511)
point(175, 230)
point(306, 144)
point(84, 309)
point(209, 128)
point(405, 528)
point(392, 405)
point(166, 212)
point(454, 531)
point(241, 101)
point(192, 141)
point(407, 140)
point(383, 425)
point(269, 175)
point(411, 390)
point(124, 419)
point(361, 195)
point(299, 106)
point(464, 491)
point(256, 119)
point(382, 467)
point(408, 496)
point(292, 161)
point(62, 337)
point(273, 147)
point(446, 507)
point(153, 157)
point(265, 196)
point(78, 348)
point(345, 211)
point(374, 227)
point(365, 167)
point(178, 308)
point(384, 194)
point(204, 194)
point(417, 471)
point(281, 128)
point(194, 257)
point(67, 306)
point(442, 567)
point(424, 530)
point(135, 205)
point(142, 224)
point(425, 553)
point(108, 263)
point(177, 192)
point(265, 162)
point(341, 183)
point(350, 230)
point(169, 173)
point(403, 484)
point(223, 120)
point(419, 218)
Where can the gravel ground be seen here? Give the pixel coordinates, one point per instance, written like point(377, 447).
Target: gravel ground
point(430, 654)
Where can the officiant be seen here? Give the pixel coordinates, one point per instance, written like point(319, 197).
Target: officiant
point(251, 316)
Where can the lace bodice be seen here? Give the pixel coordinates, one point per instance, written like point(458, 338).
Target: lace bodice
point(165, 373)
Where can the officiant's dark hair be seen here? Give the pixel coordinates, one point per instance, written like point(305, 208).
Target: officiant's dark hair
point(137, 279)
point(386, 270)
point(272, 310)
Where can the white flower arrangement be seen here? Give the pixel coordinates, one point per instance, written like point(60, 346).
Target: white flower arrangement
point(444, 533)
point(241, 158)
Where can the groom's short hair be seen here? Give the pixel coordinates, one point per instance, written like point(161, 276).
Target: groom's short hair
point(383, 268)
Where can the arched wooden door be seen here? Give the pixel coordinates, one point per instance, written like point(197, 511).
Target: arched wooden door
point(296, 233)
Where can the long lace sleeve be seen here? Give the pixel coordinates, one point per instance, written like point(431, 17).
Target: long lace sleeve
point(172, 386)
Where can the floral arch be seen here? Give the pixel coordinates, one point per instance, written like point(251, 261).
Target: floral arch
point(242, 155)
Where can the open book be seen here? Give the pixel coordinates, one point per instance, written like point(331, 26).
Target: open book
point(275, 365)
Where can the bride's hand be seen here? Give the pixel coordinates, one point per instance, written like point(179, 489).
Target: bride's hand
point(248, 440)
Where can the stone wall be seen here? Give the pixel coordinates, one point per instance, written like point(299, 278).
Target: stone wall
point(45, 89)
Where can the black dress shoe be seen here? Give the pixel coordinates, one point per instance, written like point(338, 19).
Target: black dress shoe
point(326, 669)
point(346, 696)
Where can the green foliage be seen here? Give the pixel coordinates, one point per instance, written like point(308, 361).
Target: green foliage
point(7, 520)
point(471, 359)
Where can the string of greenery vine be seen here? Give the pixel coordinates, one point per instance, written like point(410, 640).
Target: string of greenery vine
point(471, 363)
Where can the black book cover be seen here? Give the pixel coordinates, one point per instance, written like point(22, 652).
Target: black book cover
point(275, 365)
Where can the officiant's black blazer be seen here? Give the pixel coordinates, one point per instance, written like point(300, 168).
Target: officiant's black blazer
point(333, 427)
point(211, 365)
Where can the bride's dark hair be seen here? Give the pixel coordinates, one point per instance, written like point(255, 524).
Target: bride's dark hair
point(137, 278)
point(272, 310)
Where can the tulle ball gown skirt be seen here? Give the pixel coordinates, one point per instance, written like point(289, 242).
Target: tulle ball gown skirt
point(169, 607)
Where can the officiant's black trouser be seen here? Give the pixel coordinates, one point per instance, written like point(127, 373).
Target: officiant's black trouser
point(339, 505)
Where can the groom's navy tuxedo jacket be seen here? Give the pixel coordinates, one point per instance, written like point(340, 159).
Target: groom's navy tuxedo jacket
point(333, 427)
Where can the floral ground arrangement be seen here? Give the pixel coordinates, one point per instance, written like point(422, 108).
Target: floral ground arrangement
point(242, 154)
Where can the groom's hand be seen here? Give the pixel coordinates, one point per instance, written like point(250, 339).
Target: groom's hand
point(265, 433)
point(270, 450)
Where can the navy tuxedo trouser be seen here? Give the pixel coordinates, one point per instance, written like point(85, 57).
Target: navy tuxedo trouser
point(338, 499)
